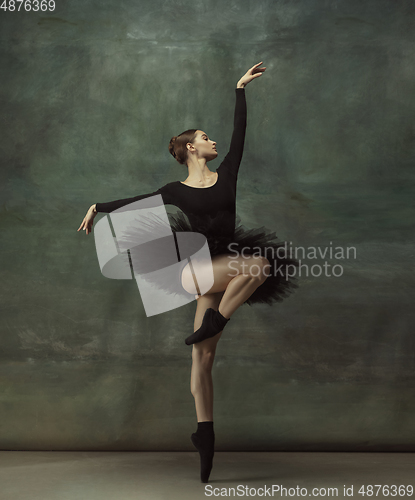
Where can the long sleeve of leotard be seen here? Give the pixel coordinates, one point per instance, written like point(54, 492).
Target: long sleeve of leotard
point(233, 159)
point(113, 205)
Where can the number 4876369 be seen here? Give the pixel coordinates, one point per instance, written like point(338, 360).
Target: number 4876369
point(43, 5)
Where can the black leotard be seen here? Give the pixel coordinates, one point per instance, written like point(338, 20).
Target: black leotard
point(216, 204)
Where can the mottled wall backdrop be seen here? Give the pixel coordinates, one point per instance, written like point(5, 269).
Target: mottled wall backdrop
point(91, 94)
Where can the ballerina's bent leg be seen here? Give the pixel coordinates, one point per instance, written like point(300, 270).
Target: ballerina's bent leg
point(238, 279)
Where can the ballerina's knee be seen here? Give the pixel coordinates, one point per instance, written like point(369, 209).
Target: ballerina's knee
point(261, 269)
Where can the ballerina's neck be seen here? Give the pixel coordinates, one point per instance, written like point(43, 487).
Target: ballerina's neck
point(202, 187)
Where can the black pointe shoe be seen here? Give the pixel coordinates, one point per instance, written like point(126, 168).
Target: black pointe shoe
point(206, 451)
point(213, 323)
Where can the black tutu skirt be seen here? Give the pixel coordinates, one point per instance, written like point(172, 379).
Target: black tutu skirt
point(152, 247)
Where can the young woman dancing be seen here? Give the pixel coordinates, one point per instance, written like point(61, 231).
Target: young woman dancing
point(208, 199)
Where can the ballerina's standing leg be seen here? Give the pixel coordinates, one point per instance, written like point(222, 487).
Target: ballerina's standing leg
point(201, 386)
point(236, 289)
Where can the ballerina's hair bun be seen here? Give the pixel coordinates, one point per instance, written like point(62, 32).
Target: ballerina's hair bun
point(171, 145)
point(177, 146)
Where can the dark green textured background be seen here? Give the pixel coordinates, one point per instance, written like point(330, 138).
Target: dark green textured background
point(90, 96)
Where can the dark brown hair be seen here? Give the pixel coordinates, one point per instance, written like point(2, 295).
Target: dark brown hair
point(177, 146)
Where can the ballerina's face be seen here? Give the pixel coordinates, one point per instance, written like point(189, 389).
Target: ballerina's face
point(205, 146)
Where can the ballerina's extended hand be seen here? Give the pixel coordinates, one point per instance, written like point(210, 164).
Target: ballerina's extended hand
point(250, 75)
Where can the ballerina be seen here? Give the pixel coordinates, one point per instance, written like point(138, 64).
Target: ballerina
point(208, 199)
